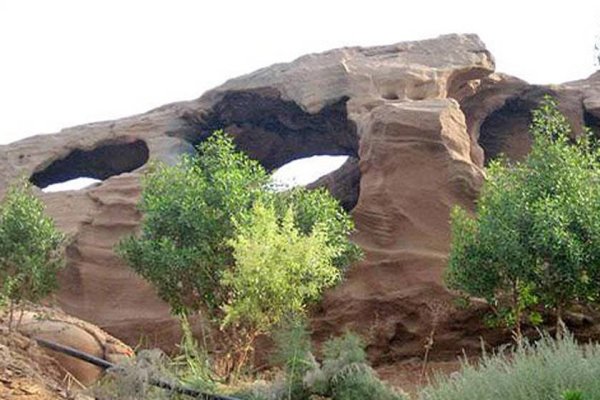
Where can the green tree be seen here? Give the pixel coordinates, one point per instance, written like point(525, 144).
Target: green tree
point(277, 272)
point(31, 248)
point(535, 235)
point(216, 239)
point(277, 269)
point(188, 213)
point(312, 207)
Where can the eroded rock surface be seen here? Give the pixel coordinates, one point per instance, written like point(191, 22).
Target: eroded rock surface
point(58, 327)
point(418, 120)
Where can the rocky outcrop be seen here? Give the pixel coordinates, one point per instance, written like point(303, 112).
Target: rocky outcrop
point(58, 327)
point(343, 183)
point(418, 121)
point(402, 223)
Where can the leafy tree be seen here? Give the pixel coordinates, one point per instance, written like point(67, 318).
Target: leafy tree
point(277, 270)
point(312, 207)
point(535, 236)
point(188, 212)
point(30, 248)
point(216, 239)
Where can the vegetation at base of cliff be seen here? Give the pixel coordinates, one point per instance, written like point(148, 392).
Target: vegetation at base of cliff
point(531, 247)
point(547, 369)
point(218, 240)
point(343, 373)
point(550, 369)
point(31, 249)
point(534, 241)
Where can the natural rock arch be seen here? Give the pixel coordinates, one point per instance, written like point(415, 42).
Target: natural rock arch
point(100, 162)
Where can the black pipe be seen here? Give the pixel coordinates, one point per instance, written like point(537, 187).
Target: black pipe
point(161, 383)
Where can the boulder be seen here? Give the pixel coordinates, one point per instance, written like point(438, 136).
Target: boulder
point(58, 327)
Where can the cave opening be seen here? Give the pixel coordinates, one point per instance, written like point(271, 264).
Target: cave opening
point(72, 184)
point(506, 130)
point(307, 170)
point(82, 167)
point(300, 146)
point(273, 130)
point(592, 122)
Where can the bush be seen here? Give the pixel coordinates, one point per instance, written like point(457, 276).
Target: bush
point(132, 379)
point(345, 373)
point(188, 213)
point(551, 369)
point(362, 384)
point(216, 239)
point(277, 270)
point(31, 248)
point(293, 354)
point(535, 238)
point(192, 365)
point(312, 207)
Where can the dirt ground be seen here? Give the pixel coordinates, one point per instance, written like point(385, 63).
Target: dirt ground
point(27, 373)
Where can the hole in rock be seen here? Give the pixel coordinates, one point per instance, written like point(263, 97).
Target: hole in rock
point(592, 122)
point(506, 130)
point(276, 131)
point(343, 183)
point(390, 96)
point(273, 130)
point(73, 184)
point(304, 171)
point(83, 167)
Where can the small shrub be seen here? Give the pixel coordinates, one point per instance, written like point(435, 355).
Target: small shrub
point(344, 350)
point(572, 395)
point(261, 390)
point(131, 381)
point(193, 365)
point(361, 383)
point(31, 248)
point(293, 353)
point(345, 373)
point(338, 354)
point(547, 370)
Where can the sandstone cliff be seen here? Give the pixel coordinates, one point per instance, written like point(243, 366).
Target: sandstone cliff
point(418, 120)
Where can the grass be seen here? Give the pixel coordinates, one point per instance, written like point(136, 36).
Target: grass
point(549, 369)
point(546, 370)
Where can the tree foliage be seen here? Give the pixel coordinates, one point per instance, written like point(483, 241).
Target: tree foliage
point(535, 236)
point(30, 247)
point(188, 212)
point(277, 269)
point(317, 207)
point(216, 238)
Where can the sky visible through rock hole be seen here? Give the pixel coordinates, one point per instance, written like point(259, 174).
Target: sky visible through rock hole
point(69, 62)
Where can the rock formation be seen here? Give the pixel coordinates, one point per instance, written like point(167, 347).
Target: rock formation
point(57, 327)
point(418, 120)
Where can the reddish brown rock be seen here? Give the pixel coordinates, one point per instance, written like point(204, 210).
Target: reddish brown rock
point(58, 327)
point(402, 224)
point(417, 119)
point(343, 183)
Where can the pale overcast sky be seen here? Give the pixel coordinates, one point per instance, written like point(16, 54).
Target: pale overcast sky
point(67, 62)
